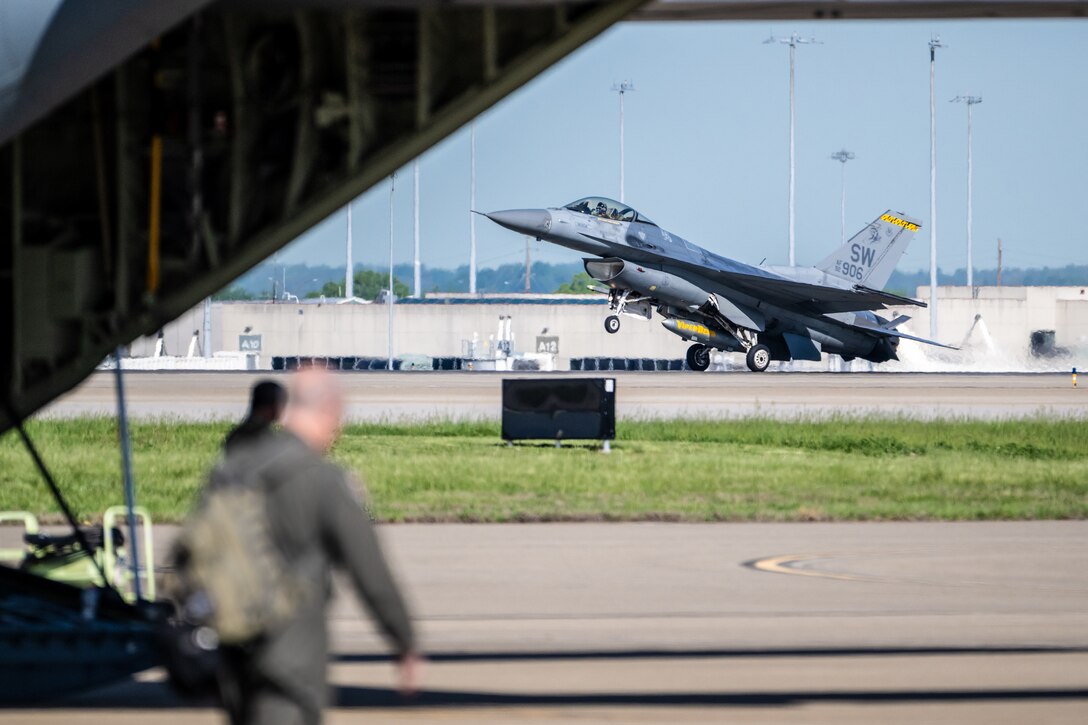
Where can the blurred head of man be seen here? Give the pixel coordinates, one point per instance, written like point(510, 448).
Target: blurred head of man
point(315, 408)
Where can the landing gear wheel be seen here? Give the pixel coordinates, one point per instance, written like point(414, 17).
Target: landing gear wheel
point(612, 324)
point(758, 358)
point(698, 357)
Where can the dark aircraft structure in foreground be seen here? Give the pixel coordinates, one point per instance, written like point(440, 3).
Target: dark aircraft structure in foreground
point(769, 313)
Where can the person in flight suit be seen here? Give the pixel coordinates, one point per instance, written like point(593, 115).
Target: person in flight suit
point(316, 516)
point(266, 405)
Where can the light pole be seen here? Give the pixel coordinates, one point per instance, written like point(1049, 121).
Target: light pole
point(415, 231)
point(207, 332)
point(842, 157)
point(970, 101)
point(934, 43)
point(472, 214)
point(389, 295)
point(528, 265)
point(349, 281)
point(792, 41)
point(622, 89)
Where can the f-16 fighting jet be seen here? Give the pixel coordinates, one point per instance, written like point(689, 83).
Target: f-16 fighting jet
point(770, 313)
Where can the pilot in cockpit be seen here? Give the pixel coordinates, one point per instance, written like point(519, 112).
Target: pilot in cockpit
point(601, 210)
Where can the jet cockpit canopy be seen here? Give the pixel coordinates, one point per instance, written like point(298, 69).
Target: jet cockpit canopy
point(607, 209)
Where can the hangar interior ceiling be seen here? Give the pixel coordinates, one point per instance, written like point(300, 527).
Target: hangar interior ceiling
point(237, 129)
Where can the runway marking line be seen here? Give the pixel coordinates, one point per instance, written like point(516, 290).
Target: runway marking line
point(787, 564)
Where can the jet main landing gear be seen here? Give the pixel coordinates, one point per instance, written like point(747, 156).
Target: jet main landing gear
point(612, 324)
point(758, 358)
point(698, 357)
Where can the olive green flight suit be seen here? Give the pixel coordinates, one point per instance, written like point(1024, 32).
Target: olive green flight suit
point(316, 517)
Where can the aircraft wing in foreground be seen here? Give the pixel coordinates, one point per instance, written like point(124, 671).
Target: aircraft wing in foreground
point(769, 313)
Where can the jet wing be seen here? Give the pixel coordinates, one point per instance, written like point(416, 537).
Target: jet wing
point(778, 290)
point(892, 299)
point(812, 297)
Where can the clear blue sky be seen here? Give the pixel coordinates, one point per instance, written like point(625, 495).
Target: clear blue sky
point(707, 154)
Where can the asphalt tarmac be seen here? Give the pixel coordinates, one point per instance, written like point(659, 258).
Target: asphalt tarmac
point(753, 623)
point(407, 396)
point(761, 623)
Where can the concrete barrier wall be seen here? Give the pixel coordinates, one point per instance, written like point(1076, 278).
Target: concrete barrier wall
point(1072, 320)
point(440, 330)
point(176, 335)
point(436, 329)
point(1010, 313)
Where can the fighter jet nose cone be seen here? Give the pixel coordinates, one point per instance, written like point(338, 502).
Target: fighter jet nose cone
point(525, 221)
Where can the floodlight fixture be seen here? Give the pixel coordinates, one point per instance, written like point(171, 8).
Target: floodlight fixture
point(792, 41)
point(622, 89)
point(969, 101)
point(843, 156)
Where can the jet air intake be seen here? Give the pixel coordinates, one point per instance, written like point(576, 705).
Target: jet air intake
point(666, 288)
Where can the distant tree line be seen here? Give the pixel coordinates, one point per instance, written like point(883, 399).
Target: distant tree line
point(303, 280)
point(1069, 275)
point(367, 284)
point(313, 281)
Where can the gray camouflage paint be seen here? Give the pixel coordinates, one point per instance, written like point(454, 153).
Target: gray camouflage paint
point(798, 312)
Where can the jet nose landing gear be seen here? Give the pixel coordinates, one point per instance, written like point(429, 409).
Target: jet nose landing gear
point(612, 324)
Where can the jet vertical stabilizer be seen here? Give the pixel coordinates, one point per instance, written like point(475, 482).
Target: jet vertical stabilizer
point(870, 256)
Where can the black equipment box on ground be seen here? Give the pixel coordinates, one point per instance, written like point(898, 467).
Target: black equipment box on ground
point(559, 409)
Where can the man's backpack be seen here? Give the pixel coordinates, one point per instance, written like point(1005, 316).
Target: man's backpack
point(231, 581)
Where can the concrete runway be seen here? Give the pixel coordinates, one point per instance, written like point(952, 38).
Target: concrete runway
point(375, 396)
point(760, 623)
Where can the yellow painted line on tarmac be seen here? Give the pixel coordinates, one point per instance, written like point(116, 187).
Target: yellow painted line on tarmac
point(786, 565)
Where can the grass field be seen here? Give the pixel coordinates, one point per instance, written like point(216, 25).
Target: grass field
point(745, 470)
